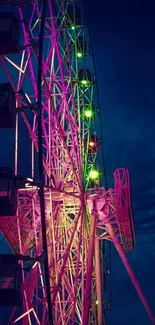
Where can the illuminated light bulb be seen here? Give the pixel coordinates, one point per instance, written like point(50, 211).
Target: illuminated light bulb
point(84, 77)
point(92, 144)
point(88, 113)
point(79, 54)
point(73, 27)
point(84, 82)
point(97, 302)
point(94, 174)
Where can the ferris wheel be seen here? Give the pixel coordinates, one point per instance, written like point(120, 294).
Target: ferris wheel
point(55, 208)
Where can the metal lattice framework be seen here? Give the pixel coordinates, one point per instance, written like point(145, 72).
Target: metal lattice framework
point(78, 215)
point(68, 90)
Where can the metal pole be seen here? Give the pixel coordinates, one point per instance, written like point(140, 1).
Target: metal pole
point(130, 272)
point(87, 302)
point(41, 170)
point(100, 315)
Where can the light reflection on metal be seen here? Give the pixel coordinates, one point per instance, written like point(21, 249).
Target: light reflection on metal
point(27, 313)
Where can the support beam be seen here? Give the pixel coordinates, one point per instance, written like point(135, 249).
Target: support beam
point(130, 271)
point(100, 316)
point(87, 302)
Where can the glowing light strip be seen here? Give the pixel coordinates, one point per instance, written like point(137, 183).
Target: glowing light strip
point(15, 65)
point(27, 313)
point(28, 98)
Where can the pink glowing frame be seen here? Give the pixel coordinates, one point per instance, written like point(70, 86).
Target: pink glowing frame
point(124, 209)
point(73, 242)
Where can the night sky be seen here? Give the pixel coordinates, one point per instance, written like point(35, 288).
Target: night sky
point(123, 37)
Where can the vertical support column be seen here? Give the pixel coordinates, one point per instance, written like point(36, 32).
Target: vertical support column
point(130, 272)
point(89, 269)
point(16, 146)
point(100, 318)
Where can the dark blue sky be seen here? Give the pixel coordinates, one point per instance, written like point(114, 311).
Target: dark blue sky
point(123, 36)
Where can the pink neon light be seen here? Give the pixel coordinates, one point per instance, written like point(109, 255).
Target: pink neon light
point(130, 272)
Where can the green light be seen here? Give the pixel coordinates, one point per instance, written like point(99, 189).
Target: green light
point(97, 302)
point(73, 27)
point(79, 54)
point(88, 113)
point(94, 174)
point(84, 82)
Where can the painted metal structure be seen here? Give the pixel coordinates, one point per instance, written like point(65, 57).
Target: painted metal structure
point(79, 213)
